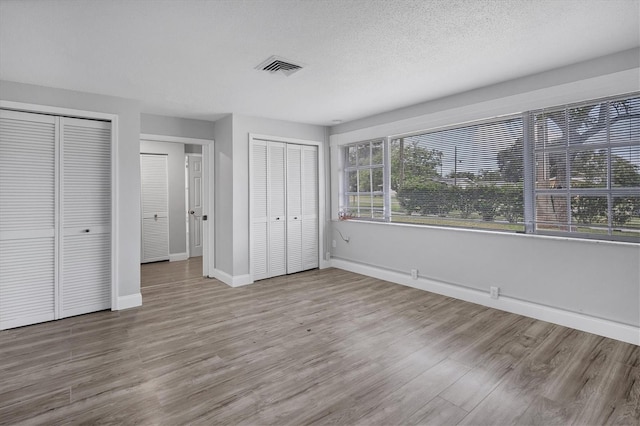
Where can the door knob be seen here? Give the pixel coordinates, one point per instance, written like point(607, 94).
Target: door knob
point(192, 212)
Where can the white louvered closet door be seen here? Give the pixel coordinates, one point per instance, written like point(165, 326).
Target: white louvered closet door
point(277, 209)
point(259, 211)
point(294, 209)
point(85, 249)
point(154, 207)
point(309, 202)
point(27, 218)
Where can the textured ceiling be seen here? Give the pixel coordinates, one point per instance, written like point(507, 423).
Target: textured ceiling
point(196, 58)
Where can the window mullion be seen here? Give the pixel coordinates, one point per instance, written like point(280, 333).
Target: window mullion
point(529, 180)
point(386, 176)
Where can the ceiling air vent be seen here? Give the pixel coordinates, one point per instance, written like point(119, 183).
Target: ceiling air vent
point(276, 63)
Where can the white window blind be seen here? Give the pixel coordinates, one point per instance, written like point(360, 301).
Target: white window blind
point(587, 169)
point(470, 176)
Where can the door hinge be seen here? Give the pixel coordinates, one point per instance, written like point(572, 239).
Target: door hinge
point(204, 217)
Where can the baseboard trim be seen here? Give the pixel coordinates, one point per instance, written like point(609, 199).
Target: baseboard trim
point(130, 301)
point(232, 280)
point(178, 257)
point(599, 326)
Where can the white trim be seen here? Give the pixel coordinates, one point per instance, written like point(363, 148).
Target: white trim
point(51, 110)
point(322, 263)
point(176, 257)
point(115, 193)
point(230, 280)
point(130, 301)
point(208, 185)
point(602, 327)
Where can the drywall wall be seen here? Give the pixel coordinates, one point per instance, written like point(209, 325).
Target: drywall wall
point(177, 207)
point(223, 203)
point(596, 278)
point(175, 126)
point(242, 126)
point(128, 161)
point(626, 60)
point(600, 280)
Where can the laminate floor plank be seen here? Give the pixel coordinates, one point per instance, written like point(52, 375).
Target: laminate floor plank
point(317, 347)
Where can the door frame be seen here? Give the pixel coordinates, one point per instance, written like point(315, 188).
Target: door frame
point(322, 263)
point(208, 231)
point(115, 218)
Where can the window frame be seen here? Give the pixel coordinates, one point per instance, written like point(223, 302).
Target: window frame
point(346, 210)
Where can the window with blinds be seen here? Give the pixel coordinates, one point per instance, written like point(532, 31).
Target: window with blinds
point(571, 170)
point(587, 169)
point(470, 176)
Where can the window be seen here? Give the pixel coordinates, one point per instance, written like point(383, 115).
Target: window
point(587, 169)
point(469, 176)
point(364, 180)
point(572, 170)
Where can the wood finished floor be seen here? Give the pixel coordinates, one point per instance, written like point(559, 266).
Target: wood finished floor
point(319, 347)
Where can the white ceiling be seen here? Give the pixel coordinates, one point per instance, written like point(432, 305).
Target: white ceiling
point(196, 58)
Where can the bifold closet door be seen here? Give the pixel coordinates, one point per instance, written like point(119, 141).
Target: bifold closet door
point(260, 210)
point(154, 207)
point(309, 204)
point(294, 209)
point(86, 217)
point(27, 218)
point(277, 209)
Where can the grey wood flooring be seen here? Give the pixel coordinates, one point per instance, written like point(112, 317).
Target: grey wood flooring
point(318, 347)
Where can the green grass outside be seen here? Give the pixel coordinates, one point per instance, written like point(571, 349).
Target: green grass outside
point(474, 221)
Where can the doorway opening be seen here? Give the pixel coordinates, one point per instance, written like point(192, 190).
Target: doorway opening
point(190, 213)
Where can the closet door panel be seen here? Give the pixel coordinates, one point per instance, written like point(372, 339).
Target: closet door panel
point(259, 211)
point(86, 216)
point(277, 209)
point(87, 273)
point(155, 239)
point(294, 209)
point(155, 207)
point(309, 185)
point(27, 218)
point(277, 248)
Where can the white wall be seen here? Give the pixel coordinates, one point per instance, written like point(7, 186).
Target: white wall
point(128, 164)
point(598, 281)
point(175, 126)
point(177, 207)
point(223, 203)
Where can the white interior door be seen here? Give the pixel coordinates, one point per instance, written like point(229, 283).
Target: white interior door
point(277, 209)
point(86, 217)
point(154, 189)
point(195, 205)
point(28, 216)
point(294, 208)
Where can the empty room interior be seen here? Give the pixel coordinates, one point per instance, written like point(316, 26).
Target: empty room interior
point(285, 212)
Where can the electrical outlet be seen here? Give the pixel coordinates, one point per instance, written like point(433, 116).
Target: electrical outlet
point(494, 292)
point(333, 243)
point(414, 274)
